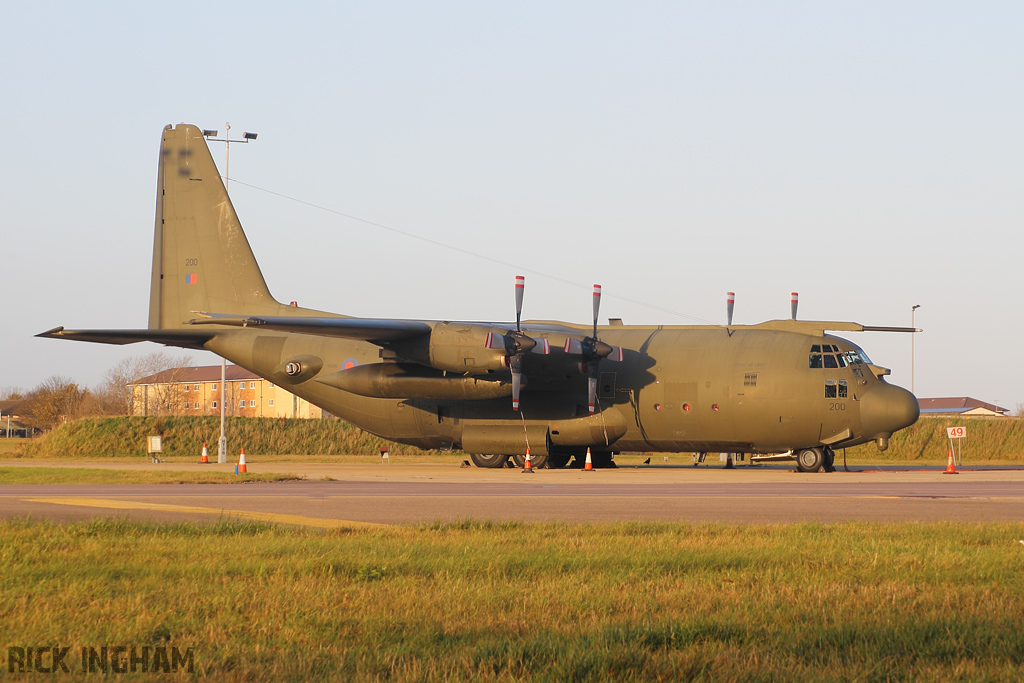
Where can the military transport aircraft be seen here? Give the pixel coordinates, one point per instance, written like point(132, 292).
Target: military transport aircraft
point(495, 389)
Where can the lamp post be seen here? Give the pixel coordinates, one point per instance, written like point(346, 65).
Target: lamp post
point(211, 136)
point(913, 331)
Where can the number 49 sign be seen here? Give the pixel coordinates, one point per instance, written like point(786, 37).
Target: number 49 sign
point(956, 432)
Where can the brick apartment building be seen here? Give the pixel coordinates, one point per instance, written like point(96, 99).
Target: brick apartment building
point(198, 391)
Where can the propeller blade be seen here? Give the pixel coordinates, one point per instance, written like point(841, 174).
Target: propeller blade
point(517, 382)
point(591, 388)
point(730, 304)
point(573, 346)
point(793, 301)
point(495, 341)
point(520, 286)
point(542, 347)
point(516, 365)
point(597, 306)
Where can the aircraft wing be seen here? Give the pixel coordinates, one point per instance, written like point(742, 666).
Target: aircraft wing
point(365, 329)
point(186, 339)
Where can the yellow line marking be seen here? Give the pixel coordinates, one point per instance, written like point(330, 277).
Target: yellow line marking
point(274, 517)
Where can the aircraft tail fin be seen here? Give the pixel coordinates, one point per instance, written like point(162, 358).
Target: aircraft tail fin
point(202, 260)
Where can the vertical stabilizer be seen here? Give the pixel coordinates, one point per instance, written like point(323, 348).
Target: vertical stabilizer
point(201, 258)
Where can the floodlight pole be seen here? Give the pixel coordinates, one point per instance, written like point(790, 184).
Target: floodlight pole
point(913, 329)
point(211, 135)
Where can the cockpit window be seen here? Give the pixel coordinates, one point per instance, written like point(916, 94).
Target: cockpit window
point(830, 356)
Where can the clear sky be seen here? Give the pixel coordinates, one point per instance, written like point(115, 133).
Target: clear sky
point(867, 155)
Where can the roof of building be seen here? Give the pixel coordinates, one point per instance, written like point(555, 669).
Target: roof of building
point(11, 407)
point(205, 373)
point(958, 405)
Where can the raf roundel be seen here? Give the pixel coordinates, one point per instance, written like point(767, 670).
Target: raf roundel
point(349, 364)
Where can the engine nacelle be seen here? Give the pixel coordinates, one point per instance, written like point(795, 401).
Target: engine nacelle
point(462, 348)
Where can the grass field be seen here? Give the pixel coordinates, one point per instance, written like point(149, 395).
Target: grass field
point(510, 602)
point(84, 475)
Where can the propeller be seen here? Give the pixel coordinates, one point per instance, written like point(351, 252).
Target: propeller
point(593, 351)
point(793, 302)
point(515, 344)
point(730, 304)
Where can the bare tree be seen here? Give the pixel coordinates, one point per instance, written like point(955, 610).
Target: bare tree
point(120, 397)
point(11, 393)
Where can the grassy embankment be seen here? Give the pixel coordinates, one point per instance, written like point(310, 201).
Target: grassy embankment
point(183, 438)
point(989, 440)
point(549, 602)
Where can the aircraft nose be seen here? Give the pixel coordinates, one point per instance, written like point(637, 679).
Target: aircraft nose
point(887, 409)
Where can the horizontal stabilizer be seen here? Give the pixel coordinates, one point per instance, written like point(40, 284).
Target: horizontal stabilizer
point(365, 329)
point(186, 339)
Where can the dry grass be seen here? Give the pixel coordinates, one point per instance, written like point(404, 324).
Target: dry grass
point(84, 475)
point(550, 602)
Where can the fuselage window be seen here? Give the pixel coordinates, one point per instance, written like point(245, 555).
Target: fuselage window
point(843, 389)
point(830, 388)
point(830, 361)
point(815, 361)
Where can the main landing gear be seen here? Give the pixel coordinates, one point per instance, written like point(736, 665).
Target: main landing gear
point(819, 459)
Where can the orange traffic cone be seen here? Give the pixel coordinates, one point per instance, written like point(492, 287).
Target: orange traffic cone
point(588, 466)
point(528, 466)
point(205, 459)
point(241, 462)
point(951, 467)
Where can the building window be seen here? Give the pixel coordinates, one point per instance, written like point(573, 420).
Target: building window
point(187, 387)
point(195, 387)
point(241, 385)
point(196, 406)
point(186, 405)
point(270, 402)
point(252, 385)
point(252, 403)
point(213, 404)
point(241, 404)
point(270, 385)
point(215, 386)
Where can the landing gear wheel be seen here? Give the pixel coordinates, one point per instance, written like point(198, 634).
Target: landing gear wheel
point(558, 461)
point(489, 461)
point(830, 459)
point(810, 460)
point(536, 461)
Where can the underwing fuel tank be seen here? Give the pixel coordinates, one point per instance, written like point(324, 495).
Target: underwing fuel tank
point(408, 380)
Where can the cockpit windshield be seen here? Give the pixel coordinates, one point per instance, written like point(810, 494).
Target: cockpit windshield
point(830, 356)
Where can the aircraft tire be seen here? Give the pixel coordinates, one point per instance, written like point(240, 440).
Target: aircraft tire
point(537, 461)
point(558, 461)
point(830, 459)
point(810, 460)
point(492, 461)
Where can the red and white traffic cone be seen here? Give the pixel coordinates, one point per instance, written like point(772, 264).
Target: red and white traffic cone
point(528, 465)
point(728, 461)
point(951, 467)
point(241, 462)
point(588, 466)
point(205, 458)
